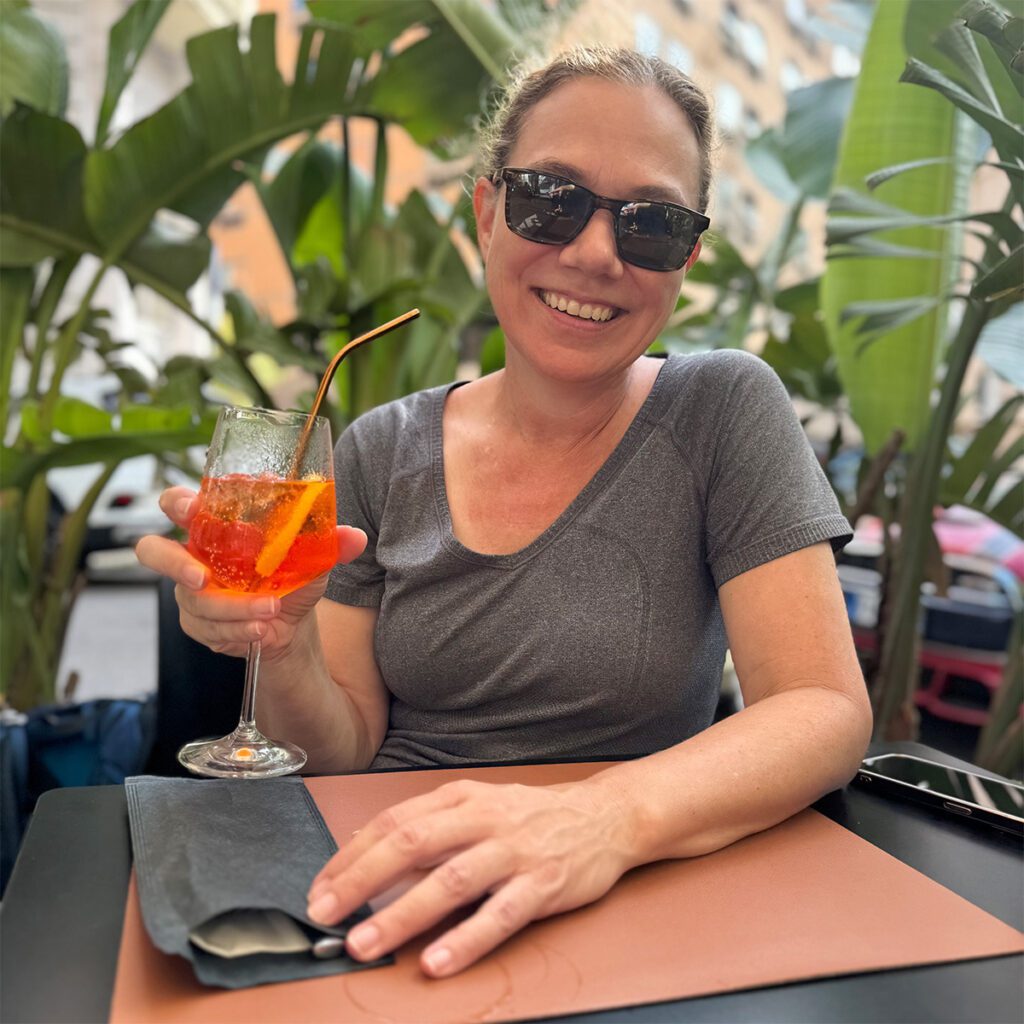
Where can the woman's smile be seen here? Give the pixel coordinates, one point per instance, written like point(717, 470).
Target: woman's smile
point(578, 308)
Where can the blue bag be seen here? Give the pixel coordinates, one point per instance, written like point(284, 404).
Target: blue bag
point(95, 743)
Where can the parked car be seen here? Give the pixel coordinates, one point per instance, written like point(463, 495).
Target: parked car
point(128, 507)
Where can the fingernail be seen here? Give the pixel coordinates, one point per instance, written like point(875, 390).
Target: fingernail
point(364, 939)
point(438, 961)
point(195, 578)
point(181, 507)
point(324, 909)
point(266, 607)
point(256, 630)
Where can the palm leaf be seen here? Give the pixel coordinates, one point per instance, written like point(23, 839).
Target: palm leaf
point(127, 42)
point(33, 64)
point(889, 382)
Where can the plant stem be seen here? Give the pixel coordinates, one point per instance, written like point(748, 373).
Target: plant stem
point(898, 659)
point(60, 274)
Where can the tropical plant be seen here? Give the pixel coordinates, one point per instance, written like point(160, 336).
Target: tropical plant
point(907, 256)
point(74, 213)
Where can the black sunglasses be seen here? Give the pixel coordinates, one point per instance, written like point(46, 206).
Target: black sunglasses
point(545, 208)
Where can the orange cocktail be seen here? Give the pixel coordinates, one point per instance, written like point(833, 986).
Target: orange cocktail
point(263, 534)
point(265, 524)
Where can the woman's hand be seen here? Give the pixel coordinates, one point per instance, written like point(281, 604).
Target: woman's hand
point(223, 621)
point(528, 851)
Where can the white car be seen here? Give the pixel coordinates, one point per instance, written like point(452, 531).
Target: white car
point(128, 507)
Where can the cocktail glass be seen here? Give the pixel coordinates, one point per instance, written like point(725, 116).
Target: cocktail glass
point(265, 526)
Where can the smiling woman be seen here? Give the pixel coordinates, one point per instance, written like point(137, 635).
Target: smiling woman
point(552, 561)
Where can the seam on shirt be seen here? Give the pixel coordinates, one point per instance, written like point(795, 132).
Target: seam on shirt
point(643, 646)
point(784, 542)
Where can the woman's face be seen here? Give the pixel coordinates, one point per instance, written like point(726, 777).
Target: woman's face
point(619, 141)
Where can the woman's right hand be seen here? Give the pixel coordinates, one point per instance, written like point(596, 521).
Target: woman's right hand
point(227, 622)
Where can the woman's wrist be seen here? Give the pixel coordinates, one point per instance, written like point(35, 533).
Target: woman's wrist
point(627, 822)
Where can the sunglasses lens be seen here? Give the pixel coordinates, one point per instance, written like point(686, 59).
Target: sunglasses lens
point(655, 236)
point(543, 208)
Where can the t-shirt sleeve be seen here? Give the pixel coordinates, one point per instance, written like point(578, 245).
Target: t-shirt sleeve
point(766, 496)
point(360, 582)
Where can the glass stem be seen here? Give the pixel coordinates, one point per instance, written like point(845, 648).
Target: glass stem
point(247, 721)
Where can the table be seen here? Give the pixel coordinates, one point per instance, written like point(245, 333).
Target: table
point(63, 909)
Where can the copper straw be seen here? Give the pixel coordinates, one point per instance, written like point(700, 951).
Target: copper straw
point(325, 381)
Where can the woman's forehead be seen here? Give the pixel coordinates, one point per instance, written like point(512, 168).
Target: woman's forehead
point(633, 140)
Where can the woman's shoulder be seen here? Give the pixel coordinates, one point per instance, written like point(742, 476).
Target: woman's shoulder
point(723, 367)
point(400, 416)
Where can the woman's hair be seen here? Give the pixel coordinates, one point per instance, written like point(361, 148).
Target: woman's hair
point(500, 134)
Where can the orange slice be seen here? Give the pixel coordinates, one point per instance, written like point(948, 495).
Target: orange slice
point(278, 546)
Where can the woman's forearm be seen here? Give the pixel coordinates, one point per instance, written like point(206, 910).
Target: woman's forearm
point(744, 774)
point(298, 700)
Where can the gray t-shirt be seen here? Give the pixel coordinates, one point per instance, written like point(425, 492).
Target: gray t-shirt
point(604, 636)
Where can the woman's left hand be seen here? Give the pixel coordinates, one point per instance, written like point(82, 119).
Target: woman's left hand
point(530, 851)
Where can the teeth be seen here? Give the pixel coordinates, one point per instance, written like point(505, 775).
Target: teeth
point(587, 311)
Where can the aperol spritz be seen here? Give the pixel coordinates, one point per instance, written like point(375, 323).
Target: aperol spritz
point(265, 525)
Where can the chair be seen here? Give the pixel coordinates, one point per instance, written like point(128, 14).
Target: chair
point(965, 633)
point(965, 640)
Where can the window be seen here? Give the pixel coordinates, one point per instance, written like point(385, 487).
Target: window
point(797, 13)
point(729, 108)
point(680, 56)
point(845, 63)
point(742, 38)
point(751, 123)
point(647, 35)
point(731, 27)
point(790, 76)
point(753, 46)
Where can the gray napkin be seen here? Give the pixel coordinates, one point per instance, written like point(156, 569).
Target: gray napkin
point(223, 869)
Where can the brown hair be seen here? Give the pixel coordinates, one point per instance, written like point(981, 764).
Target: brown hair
point(629, 67)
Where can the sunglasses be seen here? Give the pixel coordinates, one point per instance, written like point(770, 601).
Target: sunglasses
point(545, 208)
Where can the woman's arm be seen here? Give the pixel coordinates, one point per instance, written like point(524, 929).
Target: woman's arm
point(325, 691)
point(536, 851)
point(338, 715)
point(803, 730)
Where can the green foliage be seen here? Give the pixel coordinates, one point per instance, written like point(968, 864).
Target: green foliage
point(35, 68)
point(883, 320)
point(889, 383)
point(141, 205)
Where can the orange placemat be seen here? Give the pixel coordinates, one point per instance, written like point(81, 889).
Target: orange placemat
point(806, 899)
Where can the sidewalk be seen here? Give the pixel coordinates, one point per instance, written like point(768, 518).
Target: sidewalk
point(111, 642)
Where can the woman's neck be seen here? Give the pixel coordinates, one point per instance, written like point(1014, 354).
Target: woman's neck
point(562, 418)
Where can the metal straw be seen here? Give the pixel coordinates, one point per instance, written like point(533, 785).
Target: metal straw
point(325, 381)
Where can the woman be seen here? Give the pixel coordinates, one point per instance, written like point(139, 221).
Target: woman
point(558, 554)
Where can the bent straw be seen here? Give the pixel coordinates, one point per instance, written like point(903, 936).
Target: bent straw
point(325, 382)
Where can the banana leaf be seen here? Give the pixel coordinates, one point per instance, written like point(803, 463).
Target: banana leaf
point(33, 64)
point(127, 42)
point(889, 382)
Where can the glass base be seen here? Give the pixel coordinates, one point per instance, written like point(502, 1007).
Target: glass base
point(243, 754)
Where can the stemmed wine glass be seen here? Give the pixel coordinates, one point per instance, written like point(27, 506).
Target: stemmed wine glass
point(265, 525)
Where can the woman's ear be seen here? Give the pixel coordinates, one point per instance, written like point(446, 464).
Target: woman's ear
point(693, 256)
point(485, 205)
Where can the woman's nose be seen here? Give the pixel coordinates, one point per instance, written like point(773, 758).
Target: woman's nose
point(593, 250)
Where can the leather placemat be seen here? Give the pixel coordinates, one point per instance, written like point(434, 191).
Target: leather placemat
point(805, 899)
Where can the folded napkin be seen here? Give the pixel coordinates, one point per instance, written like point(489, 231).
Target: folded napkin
point(223, 868)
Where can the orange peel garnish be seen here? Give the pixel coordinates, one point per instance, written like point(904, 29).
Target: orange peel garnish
point(278, 546)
